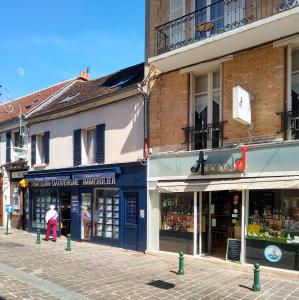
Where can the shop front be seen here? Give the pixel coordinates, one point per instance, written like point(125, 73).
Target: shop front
point(225, 213)
point(97, 204)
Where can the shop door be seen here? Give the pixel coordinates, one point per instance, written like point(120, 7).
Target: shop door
point(1, 201)
point(131, 221)
point(65, 213)
point(221, 219)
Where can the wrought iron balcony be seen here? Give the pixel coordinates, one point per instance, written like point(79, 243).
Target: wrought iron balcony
point(214, 19)
point(204, 136)
point(290, 124)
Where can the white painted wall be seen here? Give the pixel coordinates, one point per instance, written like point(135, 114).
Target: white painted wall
point(123, 136)
point(154, 220)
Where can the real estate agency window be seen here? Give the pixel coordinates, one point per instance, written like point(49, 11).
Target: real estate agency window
point(207, 110)
point(106, 214)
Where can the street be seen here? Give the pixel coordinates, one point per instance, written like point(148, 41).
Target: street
point(92, 271)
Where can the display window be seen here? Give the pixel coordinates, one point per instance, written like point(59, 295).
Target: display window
point(272, 236)
point(274, 216)
point(106, 214)
point(41, 201)
point(177, 222)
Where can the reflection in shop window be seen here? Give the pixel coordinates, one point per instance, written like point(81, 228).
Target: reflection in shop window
point(177, 222)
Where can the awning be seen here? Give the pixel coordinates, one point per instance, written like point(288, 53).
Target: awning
point(48, 178)
point(291, 182)
point(94, 175)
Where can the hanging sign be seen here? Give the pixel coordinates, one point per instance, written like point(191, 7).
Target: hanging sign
point(241, 105)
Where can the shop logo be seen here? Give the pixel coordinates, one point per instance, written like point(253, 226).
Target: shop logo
point(273, 253)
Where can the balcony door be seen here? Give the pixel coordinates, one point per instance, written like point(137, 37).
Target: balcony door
point(234, 12)
point(208, 11)
point(177, 29)
point(207, 110)
point(295, 94)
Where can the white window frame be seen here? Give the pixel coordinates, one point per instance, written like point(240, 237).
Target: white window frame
point(84, 146)
point(193, 96)
point(290, 73)
point(40, 151)
point(183, 35)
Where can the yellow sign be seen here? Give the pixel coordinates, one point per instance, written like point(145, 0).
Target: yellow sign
point(23, 183)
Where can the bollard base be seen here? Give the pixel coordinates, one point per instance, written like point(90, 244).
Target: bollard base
point(256, 288)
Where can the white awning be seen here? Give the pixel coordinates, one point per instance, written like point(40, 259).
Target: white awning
point(291, 182)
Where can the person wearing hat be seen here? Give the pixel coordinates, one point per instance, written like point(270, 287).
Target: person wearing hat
point(51, 219)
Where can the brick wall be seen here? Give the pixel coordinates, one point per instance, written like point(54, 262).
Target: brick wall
point(261, 72)
point(169, 111)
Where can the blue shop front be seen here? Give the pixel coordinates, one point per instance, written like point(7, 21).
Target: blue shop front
point(104, 204)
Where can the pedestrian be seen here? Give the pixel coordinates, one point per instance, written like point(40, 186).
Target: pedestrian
point(51, 219)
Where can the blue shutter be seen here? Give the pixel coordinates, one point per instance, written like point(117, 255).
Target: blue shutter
point(77, 147)
point(100, 143)
point(8, 146)
point(46, 146)
point(33, 149)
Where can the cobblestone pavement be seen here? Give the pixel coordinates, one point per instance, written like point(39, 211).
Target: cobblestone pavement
point(91, 271)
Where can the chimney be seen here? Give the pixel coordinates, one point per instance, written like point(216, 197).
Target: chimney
point(85, 75)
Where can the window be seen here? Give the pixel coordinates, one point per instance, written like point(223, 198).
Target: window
point(177, 222)
point(17, 139)
point(89, 141)
point(40, 154)
point(294, 95)
point(207, 110)
point(106, 214)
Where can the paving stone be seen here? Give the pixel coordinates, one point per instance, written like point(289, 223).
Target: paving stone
point(102, 272)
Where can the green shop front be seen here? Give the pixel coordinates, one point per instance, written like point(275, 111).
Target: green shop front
point(204, 203)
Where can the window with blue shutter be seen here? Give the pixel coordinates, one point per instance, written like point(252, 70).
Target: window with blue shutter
point(77, 147)
point(100, 143)
point(46, 147)
point(33, 149)
point(8, 146)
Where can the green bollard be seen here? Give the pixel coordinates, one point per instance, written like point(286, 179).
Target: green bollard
point(7, 219)
point(68, 243)
point(181, 263)
point(38, 237)
point(256, 280)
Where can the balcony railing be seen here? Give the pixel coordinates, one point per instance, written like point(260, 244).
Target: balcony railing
point(215, 19)
point(290, 124)
point(204, 136)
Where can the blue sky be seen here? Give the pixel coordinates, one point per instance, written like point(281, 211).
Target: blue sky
point(52, 40)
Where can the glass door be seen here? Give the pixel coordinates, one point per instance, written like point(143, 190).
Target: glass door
point(207, 111)
point(205, 223)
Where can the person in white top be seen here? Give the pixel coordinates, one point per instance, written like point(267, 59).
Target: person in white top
point(51, 219)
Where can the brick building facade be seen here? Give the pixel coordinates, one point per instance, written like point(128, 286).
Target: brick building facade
point(214, 176)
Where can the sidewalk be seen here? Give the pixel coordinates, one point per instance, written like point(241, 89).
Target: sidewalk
point(91, 271)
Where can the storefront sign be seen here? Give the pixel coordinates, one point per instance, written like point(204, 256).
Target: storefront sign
point(54, 183)
point(107, 178)
point(233, 164)
point(273, 253)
